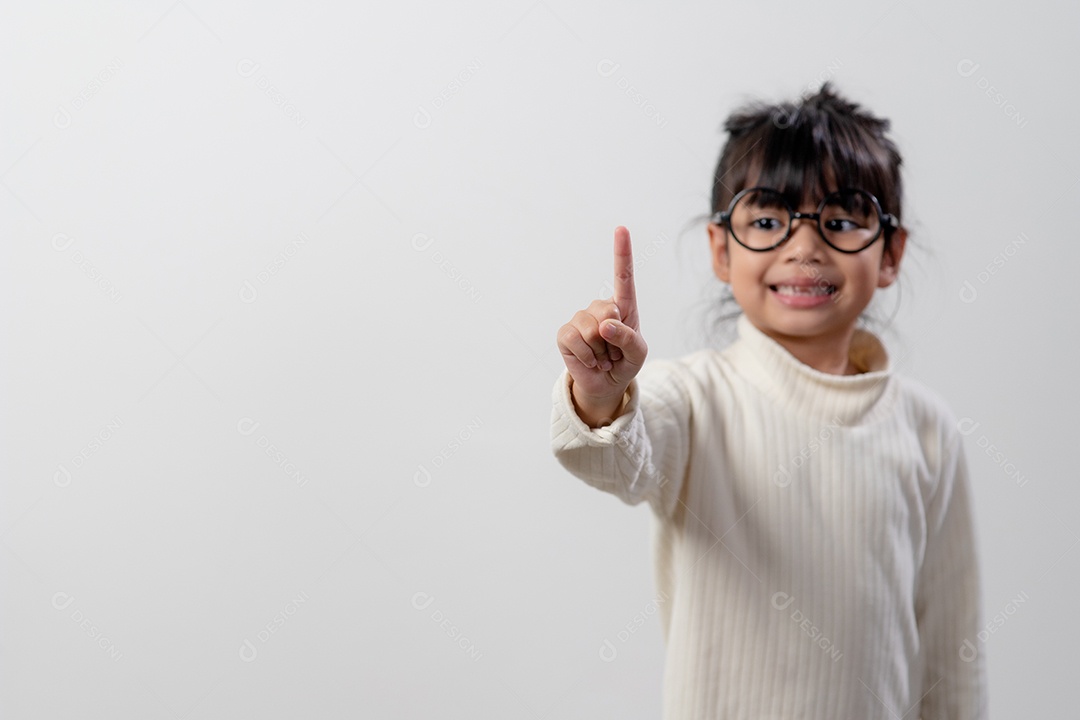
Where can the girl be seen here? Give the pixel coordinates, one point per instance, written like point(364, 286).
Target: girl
point(813, 537)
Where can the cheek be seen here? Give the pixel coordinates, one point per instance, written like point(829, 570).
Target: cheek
point(748, 284)
point(748, 269)
point(862, 279)
point(744, 283)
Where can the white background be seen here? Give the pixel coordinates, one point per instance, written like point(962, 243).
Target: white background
point(281, 285)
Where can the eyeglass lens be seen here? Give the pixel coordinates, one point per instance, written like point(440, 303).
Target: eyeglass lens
point(849, 220)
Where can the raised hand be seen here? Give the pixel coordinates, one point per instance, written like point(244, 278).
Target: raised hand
point(602, 345)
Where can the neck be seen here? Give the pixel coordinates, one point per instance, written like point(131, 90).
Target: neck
point(832, 356)
point(806, 387)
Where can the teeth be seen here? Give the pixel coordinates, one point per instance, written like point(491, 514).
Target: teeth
point(813, 290)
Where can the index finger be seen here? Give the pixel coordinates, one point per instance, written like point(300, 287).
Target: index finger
point(625, 296)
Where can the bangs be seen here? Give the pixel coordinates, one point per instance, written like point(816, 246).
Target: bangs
point(806, 152)
point(790, 161)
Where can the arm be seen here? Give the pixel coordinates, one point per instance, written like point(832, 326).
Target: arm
point(643, 453)
point(947, 603)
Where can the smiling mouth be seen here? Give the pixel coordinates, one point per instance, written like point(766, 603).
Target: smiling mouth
point(810, 290)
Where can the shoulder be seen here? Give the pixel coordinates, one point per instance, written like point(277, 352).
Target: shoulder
point(926, 403)
point(930, 415)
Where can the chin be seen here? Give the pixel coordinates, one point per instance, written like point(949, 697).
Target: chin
point(799, 327)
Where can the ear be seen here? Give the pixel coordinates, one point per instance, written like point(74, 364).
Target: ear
point(890, 259)
point(718, 245)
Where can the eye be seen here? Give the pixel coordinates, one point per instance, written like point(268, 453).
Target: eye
point(766, 223)
point(842, 225)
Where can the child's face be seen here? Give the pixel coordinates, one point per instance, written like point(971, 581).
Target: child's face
point(805, 257)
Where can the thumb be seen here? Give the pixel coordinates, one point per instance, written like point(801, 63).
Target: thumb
point(610, 329)
point(628, 340)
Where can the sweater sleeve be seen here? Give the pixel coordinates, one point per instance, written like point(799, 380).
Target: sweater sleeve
point(643, 453)
point(947, 602)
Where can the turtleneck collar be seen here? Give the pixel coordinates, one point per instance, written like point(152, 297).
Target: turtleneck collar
point(840, 399)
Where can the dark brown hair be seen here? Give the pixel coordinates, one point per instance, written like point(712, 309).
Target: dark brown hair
point(808, 149)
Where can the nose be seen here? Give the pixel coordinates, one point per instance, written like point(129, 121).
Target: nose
point(805, 242)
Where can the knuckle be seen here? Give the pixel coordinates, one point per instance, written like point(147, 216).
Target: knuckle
point(594, 314)
point(566, 334)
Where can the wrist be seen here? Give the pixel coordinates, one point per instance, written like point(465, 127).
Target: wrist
point(598, 411)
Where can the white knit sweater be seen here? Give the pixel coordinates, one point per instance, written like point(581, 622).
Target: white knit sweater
point(813, 539)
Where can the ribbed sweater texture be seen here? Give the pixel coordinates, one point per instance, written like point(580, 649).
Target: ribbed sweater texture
point(813, 540)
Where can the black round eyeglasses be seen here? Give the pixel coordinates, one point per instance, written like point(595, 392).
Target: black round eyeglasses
point(849, 220)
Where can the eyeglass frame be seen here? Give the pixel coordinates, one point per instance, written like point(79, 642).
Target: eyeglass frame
point(885, 219)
